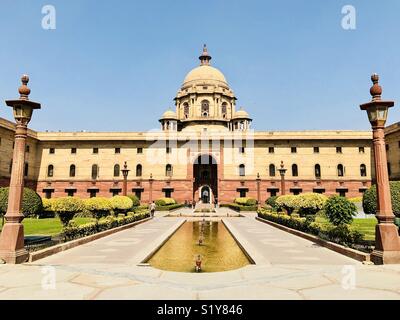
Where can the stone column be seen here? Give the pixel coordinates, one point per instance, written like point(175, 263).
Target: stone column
point(258, 180)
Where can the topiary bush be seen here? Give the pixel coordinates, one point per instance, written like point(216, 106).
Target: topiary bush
point(135, 200)
point(164, 202)
point(288, 203)
point(310, 203)
point(98, 206)
point(339, 210)
point(245, 201)
point(66, 208)
point(369, 199)
point(121, 204)
point(271, 201)
point(31, 202)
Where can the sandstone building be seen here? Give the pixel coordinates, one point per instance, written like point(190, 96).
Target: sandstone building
point(205, 148)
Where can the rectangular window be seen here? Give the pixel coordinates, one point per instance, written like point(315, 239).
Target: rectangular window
point(27, 148)
point(48, 193)
point(316, 149)
point(95, 150)
point(138, 194)
point(92, 193)
point(361, 150)
point(389, 169)
point(242, 193)
point(293, 149)
point(52, 151)
point(271, 150)
point(168, 150)
point(70, 193)
point(168, 193)
point(115, 192)
point(139, 150)
point(338, 149)
point(117, 150)
point(73, 150)
point(387, 147)
point(241, 150)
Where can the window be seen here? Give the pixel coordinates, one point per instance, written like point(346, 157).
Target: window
point(139, 150)
point(361, 150)
point(389, 169)
point(95, 171)
point(10, 167)
point(363, 170)
point(70, 192)
point(223, 110)
point(293, 149)
point(50, 170)
point(138, 194)
point(26, 148)
point(242, 193)
point(342, 193)
point(186, 110)
point(73, 150)
point(205, 108)
point(92, 193)
point(399, 144)
point(139, 170)
point(387, 147)
point(47, 194)
point(26, 168)
point(338, 149)
point(242, 170)
point(273, 192)
point(116, 170)
point(317, 171)
point(316, 149)
point(272, 170)
point(271, 150)
point(95, 150)
point(295, 170)
point(72, 169)
point(168, 170)
point(241, 149)
point(340, 170)
point(52, 151)
point(115, 192)
point(168, 193)
point(168, 150)
point(117, 150)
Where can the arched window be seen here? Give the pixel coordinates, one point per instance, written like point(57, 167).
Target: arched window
point(295, 170)
point(168, 170)
point(224, 110)
point(50, 170)
point(95, 171)
point(139, 170)
point(116, 170)
point(205, 108)
point(186, 110)
point(340, 170)
point(317, 171)
point(242, 170)
point(72, 169)
point(363, 170)
point(272, 170)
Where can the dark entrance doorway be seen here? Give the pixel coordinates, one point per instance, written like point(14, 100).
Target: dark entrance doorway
point(205, 175)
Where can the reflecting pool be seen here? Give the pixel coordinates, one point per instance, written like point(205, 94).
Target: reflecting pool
point(211, 240)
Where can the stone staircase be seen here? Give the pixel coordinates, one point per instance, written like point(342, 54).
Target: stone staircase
point(203, 206)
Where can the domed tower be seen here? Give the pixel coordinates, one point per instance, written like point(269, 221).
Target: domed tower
point(205, 99)
point(169, 121)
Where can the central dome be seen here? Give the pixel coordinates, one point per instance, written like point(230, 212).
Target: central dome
point(205, 73)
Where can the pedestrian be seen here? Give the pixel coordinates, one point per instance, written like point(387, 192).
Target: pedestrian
point(198, 264)
point(152, 209)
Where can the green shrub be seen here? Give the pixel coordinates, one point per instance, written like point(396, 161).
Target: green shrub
point(238, 207)
point(98, 206)
point(66, 208)
point(310, 203)
point(288, 203)
point(369, 199)
point(121, 204)
point(168, 207)
point(245, 201)
point(164, 202)
point(31, 202)
point(339, 210)
point(271, 201)
point(135, 200)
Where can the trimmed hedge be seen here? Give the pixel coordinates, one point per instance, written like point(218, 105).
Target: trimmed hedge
point(342, 234)
point(98, 206)
point(238, 207)
point(164, 202)
point(135, 200)
point(339, 210)
point(246, 201)
point(310, 203)
point(369, 199)
point(66, 208)
point(72, 231)
point(271, 201)
point(287, 202)
point(121, 204)
point(169, 207)
point(31, 202)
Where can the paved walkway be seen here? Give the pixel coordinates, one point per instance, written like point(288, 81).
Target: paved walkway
point(287, 267)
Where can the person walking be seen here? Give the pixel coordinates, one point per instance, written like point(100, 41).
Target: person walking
point(152, 209)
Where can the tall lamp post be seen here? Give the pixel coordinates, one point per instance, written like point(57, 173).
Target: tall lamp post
point(12, 236)
point(125, 172)
point(387, 241)
point(258, 180)
point(282, 172)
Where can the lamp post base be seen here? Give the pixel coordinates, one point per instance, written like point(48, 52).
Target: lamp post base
point(387, 246)
point(12, 249)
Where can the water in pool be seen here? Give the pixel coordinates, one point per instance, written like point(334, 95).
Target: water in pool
point(218, 250)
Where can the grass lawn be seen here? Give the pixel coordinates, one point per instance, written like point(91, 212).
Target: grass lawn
point(364, 226)
point(46, 227)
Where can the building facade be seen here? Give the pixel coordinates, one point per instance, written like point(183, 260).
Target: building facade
point(205, 149)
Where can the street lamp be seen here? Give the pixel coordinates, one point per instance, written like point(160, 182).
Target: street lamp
point(12, 236)
point(387, 241)
point(258, 180)
point(125, 172)
point(282, 172)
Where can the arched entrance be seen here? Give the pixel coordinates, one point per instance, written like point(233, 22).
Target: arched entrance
point(205, 173)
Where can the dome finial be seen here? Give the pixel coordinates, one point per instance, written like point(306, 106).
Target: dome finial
point(23, 90)
point(376, 89)
point(205, 57)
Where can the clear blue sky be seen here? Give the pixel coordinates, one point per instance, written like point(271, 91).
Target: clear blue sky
point(117, 65)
